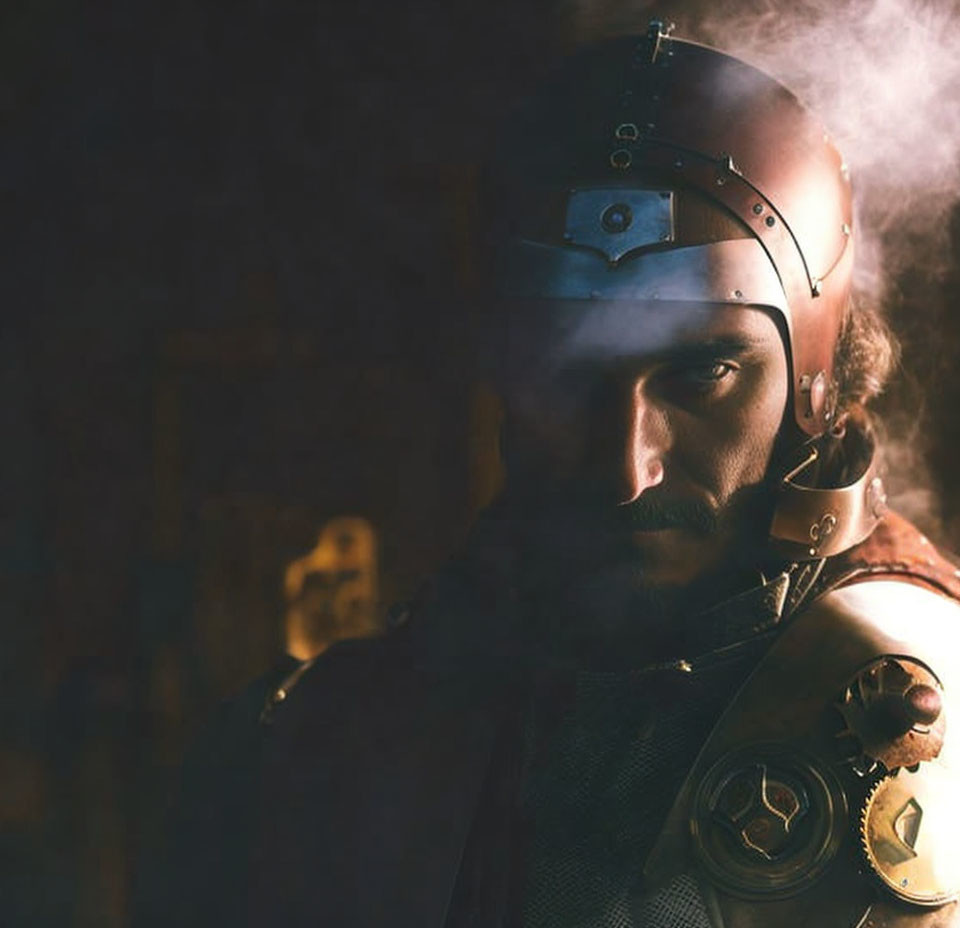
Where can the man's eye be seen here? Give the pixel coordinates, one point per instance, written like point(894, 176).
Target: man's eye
point(710, 373)
point(699, 379)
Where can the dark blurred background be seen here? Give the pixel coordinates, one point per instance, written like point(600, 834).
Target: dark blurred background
point(233, 233)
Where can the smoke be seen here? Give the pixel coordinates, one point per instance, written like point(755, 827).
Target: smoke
point(884, 76)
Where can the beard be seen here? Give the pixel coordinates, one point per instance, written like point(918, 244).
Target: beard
point(606, 584)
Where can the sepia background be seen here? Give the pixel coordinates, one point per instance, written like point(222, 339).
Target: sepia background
point(233, 390)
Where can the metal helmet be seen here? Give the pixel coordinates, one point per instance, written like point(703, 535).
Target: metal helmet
point(654, 168)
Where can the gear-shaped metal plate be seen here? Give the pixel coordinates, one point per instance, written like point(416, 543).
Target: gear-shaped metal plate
point(908, 832)
point(892, 711)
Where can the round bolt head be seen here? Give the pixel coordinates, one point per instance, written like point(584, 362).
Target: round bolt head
point(923, 704)
point(616, 218)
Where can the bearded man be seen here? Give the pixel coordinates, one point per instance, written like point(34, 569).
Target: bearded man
point(687, 671)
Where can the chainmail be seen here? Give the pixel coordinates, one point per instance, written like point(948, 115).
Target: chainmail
point(599, 787)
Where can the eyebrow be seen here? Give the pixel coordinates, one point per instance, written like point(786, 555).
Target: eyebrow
point(690, 353)
point(729, 346)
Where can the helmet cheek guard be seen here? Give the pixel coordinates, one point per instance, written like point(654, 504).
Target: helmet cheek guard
point(594, 207)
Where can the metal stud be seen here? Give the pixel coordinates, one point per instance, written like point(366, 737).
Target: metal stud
point(616, 218)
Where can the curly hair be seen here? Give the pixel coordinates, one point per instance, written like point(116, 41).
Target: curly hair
point(867, 354)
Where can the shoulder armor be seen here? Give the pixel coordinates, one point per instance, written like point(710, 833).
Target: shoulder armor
point(829, 791)
point(900, 617)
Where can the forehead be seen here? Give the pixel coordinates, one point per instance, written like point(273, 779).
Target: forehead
point(593, 332)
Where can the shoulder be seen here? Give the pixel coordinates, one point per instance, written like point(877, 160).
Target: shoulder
point(896, 616)
point(896, 548)
point(891, 649)
point(232, 734)
point(896, 590)
point(897, 709)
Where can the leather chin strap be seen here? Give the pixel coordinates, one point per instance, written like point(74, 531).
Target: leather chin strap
point(815, 523)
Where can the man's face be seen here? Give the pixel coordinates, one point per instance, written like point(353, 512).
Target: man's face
point(639, 438)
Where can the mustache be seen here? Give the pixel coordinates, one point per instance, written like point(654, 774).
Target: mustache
point(649, 514)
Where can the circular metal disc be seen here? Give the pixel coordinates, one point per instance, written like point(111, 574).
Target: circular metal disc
point(767, 821)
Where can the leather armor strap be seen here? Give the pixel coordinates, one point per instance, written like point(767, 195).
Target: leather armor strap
point(784, 709)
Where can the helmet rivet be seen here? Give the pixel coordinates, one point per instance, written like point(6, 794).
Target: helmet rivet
point(757, 208)
point(721, 181)
point(627, 132)
point(770, 221)
point(621, 159)
point(678, 163)
point(738, 294)
point(616, 218)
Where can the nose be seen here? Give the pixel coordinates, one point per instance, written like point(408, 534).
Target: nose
point(635, 442)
